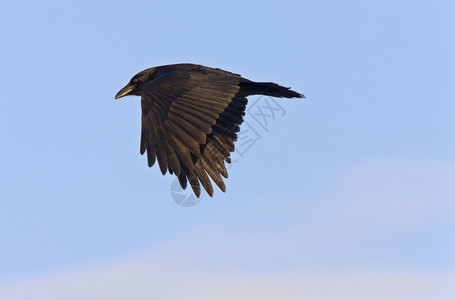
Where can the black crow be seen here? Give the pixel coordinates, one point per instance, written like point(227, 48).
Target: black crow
point(190, 117)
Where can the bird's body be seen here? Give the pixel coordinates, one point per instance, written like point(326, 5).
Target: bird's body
point(190, 118)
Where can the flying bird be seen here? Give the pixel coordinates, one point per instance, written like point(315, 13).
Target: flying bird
point(190, 118)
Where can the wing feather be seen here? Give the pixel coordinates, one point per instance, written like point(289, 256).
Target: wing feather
point(189, 125)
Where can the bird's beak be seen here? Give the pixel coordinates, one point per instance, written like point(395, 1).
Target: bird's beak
point(125, 91)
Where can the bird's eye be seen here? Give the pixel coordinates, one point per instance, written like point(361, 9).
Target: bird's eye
point(134, 80)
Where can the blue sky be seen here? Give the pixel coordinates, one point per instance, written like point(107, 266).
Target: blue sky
point(357, 179)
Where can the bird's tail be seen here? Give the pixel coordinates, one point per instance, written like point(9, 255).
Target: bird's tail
point(267, 88)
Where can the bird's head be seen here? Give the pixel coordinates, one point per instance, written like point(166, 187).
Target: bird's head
point(134, 87)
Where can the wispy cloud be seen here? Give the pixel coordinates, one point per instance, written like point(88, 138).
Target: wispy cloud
point(149, 278)
point(347, 244)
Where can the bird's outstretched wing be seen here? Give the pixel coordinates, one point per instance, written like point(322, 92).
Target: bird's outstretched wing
point(189, 124)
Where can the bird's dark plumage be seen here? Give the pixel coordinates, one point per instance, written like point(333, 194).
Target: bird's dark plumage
point(190, 118)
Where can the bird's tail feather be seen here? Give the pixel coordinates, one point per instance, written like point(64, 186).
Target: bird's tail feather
point(269, 89)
